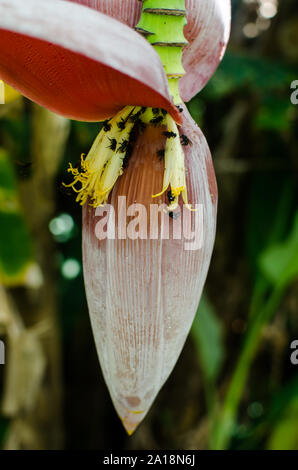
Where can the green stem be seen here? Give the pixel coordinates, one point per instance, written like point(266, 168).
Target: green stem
point(225, 423)
point(162, 23)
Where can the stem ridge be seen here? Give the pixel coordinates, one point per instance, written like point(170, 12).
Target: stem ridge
point(162, 23)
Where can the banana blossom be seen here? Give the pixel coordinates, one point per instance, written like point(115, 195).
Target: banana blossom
point(85, 60)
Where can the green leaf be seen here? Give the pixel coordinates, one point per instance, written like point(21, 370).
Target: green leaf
point(285, 436)
point(16, 251)
point(275, 113)
point(207, 333)
point(280, 262)
point(269, 215)
point(243, 71)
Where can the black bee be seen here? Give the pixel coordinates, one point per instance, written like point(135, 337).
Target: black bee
point(169, 134)
point(121, 124)
point(185, 140)
point(106, 126)
point(155, 111)
point(127, 156)
point(161, 154)
point(171, 198)
point(133, 134)
point(173, 215)
point(164, 112)
point(141, 126)
point(78, 164)
point(123, 146)
point(180, 109)
point(156, 120)
point(134, 117)
point(113, 144)
point(125, 162)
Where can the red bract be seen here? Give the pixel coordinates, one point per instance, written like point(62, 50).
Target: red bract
point(207, 31)
point(143, 294)
point(77, 62)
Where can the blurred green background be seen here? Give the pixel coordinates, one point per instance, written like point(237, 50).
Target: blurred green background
point(234, 386)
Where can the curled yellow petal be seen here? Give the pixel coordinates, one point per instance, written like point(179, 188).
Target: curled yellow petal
point(101, 168)
point(174, 174)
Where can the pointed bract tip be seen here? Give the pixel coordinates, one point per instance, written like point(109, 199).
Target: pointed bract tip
point(131, 421)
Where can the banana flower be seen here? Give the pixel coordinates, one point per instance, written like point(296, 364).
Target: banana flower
point(128, 62)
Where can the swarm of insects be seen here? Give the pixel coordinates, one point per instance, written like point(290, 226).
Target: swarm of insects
point(113, 151)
